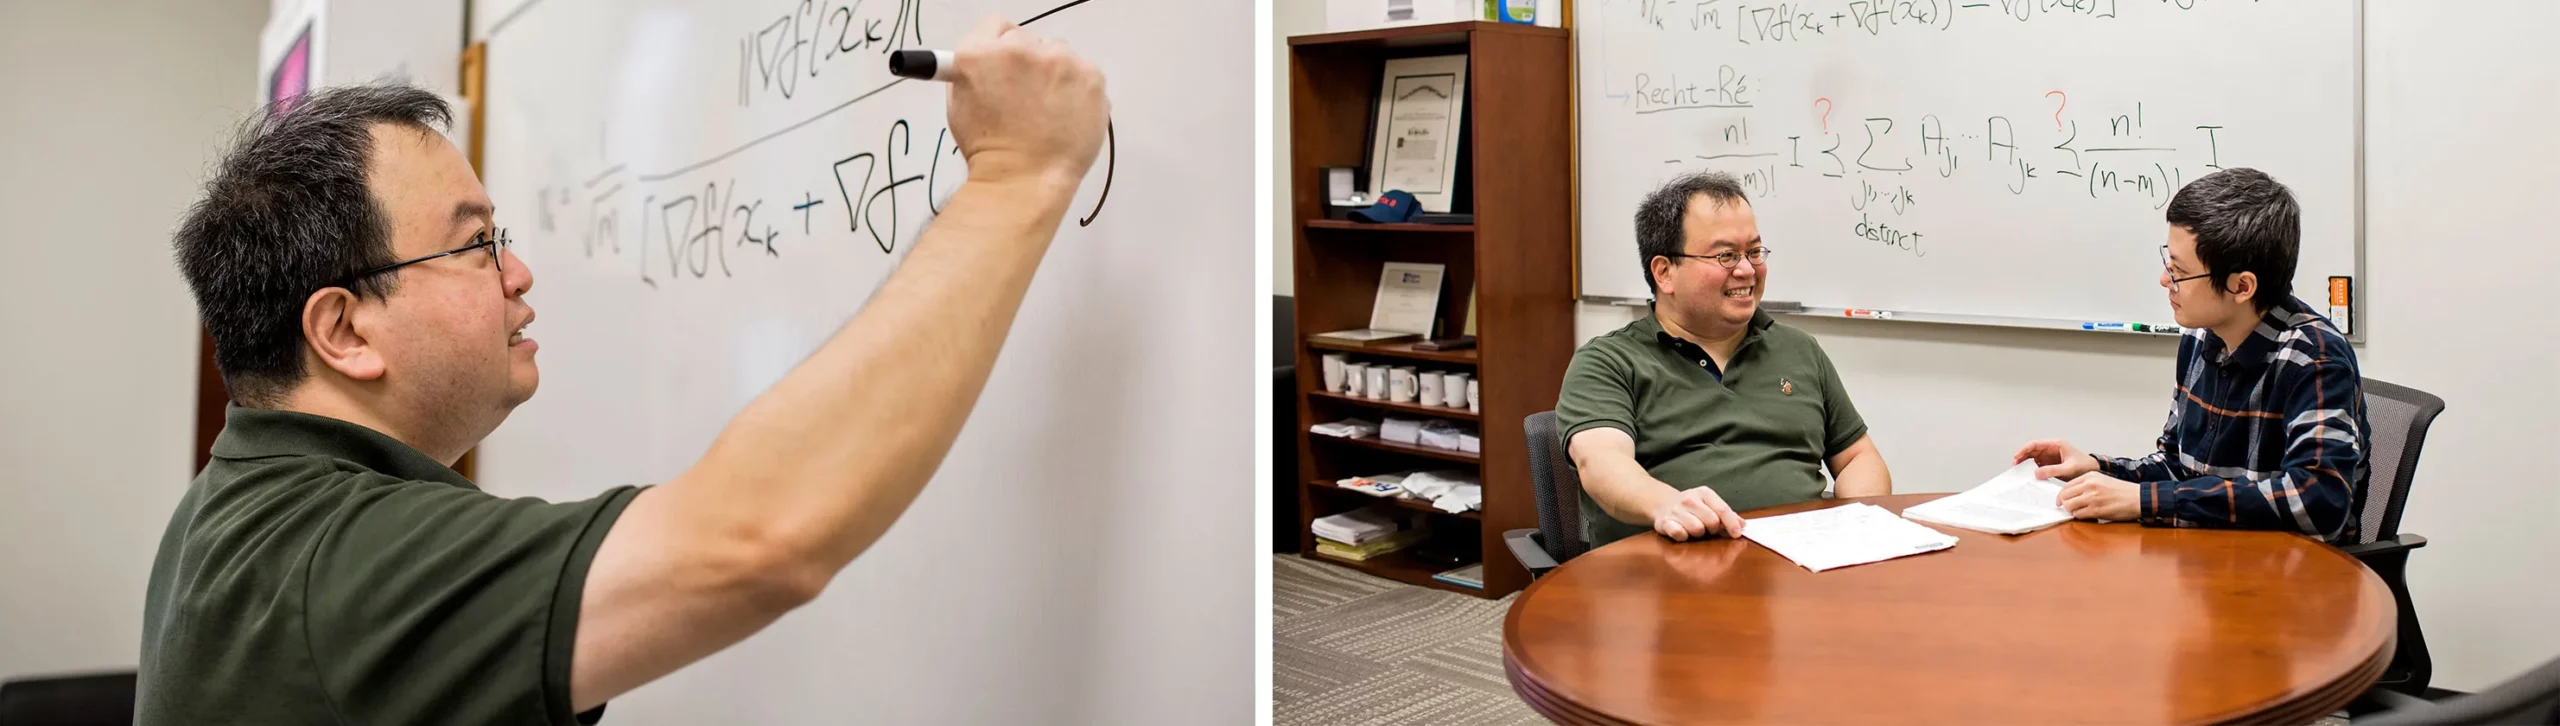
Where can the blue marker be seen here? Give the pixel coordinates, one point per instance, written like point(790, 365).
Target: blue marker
point(2118, 327)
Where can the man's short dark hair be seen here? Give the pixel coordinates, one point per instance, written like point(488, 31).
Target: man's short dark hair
point(2243, 222)
point(1659, 218)
point(287, 213)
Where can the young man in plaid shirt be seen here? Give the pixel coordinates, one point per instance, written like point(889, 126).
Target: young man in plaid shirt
point(2268, 430)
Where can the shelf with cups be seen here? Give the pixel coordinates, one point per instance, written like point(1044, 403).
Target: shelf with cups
point(1416, 408)
point(1508, 278)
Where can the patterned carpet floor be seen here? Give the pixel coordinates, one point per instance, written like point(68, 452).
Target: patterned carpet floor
point(1349, 649)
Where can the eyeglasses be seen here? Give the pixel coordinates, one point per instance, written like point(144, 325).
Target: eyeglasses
point(2174, 279)
point(1730, 260)
point(495, 242)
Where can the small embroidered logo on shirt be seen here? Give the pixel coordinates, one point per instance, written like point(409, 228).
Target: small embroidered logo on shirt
point(1786, 386)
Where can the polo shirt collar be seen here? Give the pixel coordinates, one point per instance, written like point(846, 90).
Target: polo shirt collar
point(1760, 321)
point(250, 433)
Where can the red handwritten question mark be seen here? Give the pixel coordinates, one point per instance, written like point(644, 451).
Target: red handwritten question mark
point(1826, 113)
point(2057, 108)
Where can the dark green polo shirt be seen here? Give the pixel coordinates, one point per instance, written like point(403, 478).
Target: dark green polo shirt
point(318, 572)
point(1756, 431)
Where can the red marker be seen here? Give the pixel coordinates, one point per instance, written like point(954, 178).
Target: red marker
point(1871, 314)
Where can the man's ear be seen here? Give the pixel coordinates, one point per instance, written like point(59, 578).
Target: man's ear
point(1660, 269)
point(2242, 286)
point(329, 330)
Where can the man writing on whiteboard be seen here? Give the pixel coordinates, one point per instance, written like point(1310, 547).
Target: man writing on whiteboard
point(2267, 430)
point(1707, 406)
point(328, 566)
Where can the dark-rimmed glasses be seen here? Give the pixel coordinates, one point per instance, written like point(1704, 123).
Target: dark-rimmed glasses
point(2174, 279)
point(494, 241)
point(1730, 260)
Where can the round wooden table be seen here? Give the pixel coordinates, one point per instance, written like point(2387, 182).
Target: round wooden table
point(2078, 623)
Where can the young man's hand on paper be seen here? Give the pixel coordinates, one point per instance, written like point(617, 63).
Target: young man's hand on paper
point(2056, 459)
point(2098, 496)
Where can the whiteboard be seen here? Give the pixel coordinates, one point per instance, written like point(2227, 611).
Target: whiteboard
point(679, 175)
point(2005, 159)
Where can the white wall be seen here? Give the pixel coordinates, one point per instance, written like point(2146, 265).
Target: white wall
point(1288, 17)
point(109, 113)
point(2458, 262)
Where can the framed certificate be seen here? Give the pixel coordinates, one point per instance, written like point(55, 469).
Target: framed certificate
point(1408, 297)
point(1415, 145)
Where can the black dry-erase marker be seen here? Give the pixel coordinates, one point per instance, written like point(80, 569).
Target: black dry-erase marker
point(924, 65)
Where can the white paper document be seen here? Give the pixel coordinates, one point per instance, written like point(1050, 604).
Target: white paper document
point(1850, 534)
point(2015, 502)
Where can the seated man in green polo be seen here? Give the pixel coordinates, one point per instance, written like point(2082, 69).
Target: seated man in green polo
point(1707, 406)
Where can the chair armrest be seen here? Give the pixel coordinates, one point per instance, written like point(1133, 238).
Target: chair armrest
point(2393, 708)
point(2394, 545)
point(1525, 548)
point(2384, 698)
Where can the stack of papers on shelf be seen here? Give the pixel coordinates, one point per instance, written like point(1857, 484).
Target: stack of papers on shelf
point(1401, 430)
point(1850, 534)
point(1439, 434)
point(1470, 443)
point(1355, 527)
point(1449, 491)
point(2015, 502)
point(1349, 428)
point(1372, 548)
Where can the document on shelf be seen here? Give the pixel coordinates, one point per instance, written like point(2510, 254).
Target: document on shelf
point(1850, 534)
point(2015, 502)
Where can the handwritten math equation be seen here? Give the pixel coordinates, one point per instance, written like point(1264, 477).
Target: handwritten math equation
point(698, 223)
point(1752, 23)
point(678, 230)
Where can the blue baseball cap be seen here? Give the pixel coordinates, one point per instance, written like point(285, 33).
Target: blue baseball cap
point(1396, 205)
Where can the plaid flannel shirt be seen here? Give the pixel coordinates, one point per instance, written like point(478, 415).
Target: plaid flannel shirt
point(2271, 435)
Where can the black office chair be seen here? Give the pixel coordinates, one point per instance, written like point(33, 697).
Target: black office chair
point(2399, 416)
point(82, 700)
point(2532, 698)
point(1284, 424)
point(1558, 489)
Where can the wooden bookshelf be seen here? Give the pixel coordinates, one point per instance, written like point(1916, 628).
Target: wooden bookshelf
point(1413, 504)
point(1416, 409)
point(1514, 167)
point(1400, 567)
point(1336, 224)
point(1461, 356)
point(1404, 449)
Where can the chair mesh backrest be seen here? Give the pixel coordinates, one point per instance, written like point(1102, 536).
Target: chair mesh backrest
point(2399, 416)
point(1558, 488)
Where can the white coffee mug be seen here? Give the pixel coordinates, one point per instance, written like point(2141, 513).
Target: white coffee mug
point(1333, 367)
point(1472, 405)
point(1453, 390)
point(1400, 384)
point(1356, 379)
point(1375, 388)
point(1431, 395)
